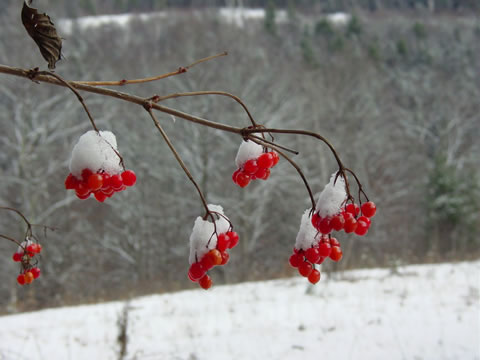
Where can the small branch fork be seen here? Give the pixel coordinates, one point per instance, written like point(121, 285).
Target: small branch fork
point(150, 104)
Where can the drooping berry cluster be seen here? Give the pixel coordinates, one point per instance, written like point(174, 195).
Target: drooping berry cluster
point(214, 257)
point(25, 255)
point(253, 162)
point(305, 260)
point(347, 220)
point(101, 184)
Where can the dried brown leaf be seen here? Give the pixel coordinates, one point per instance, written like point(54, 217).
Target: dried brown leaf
point(42, 30)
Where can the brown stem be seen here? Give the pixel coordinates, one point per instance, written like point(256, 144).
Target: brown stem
point(10, 239)
point(180, 70)
point(148, 108)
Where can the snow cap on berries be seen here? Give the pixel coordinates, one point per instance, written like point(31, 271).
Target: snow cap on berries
point(332, 197)
point(306, 236)
point(94, 151)
point(204, 231)
point(247, 150)
point(28, 241)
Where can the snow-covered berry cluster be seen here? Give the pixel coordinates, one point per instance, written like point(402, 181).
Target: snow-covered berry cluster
point(253, 162)
point(25, 255)
point(95, 167)
point(209, 243)
point(314, 241)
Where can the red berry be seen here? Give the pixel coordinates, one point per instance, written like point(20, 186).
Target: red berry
point(108, 191)
point(365, 219)
point(225, 257)
point(295, 260)
point(336, 253)
point(17, 257)
point(36, 272)
point(223, 242)
point(196, 271)
point(325, 227)
point(350, 224)
point(305, 268)
point(205, 282)
point(275, 157)
point(362, 228)
point(106, 181)
point(314, 276)
point(116, 182)
point(32, 248)
point(234, 238)
point(215, 256)
point(82, 190)
point(265, 161)
point(369, 209)
point(235, 174)
point(316, 220)
point(352, 209)
point(191, 278)
point(324, 249)
point(100, 196)
point(207, 262)
point(21, 279)
point(95, 182)
point(129, 178)
point(243, 179)
point(265, 175)
point(320, 260)
point(250, 167)
point(337, 222)
point(70, 182)
point(86, 174)
point(28, 277)
point(334, 242)
point(83, 197)
point(312, 255)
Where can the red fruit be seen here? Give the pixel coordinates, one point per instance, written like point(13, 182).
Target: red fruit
point(325, 227)
point(336, 253)
point(250, 167)
point(106, 181)
point(316, 220)
point(297, 251)
point(223, 242)
point(337, 222)
point(100, 196)
point(191, 278)
point(305, 268)
point(36, 272)
point(369, 209)
point(264, 175)
point(129, 178)
point(39, 248)
point(17, 257)
point(312, 255)
point(205, 282)
point(21, 279)
point(225, 257)
point(108, 191)
point(295, 260)
point(116, 182)
point(86, 174)
point(275, 157)
point(207, 262)
point(83, 197)
point(71, 182)
point(235, 174)
point(314, 276)
point(32, 249)
point(265, 161)
point(324, 249)
point(260, 174)
point(234, 238)
point(362, 228)
point(365, 219)
point(124, 187)
point(243, 179)
point(196, 271)
point(320, 260)
point(215, 256)
point(352, 209)
point(350, 224)
point(28, 277)
point(334, 242)
point(95, 182)
point(82, 190)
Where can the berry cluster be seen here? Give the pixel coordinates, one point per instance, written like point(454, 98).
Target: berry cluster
point(347, 220)
point(305, 260)
point(101, 184)
point(25, 254)
point(255, 169)
point(214, 257)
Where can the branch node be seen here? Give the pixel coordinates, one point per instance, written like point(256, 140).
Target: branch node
point(32, 74)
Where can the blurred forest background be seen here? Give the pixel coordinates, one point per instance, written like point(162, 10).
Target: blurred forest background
point(395, 88)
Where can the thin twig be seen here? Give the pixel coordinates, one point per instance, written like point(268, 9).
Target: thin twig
point(10, 239)
point(180, 70)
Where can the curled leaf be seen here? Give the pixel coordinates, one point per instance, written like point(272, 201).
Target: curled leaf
point(42, 30)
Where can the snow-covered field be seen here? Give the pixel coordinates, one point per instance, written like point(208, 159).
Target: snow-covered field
point(421, 312)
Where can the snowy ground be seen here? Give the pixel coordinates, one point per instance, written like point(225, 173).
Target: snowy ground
point(423, 312)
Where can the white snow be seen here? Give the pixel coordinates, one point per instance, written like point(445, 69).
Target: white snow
point(428, 312)
point(339, 18)
point(95, 152)
point(332, 197)
point(307, 234)
point(247, 150)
